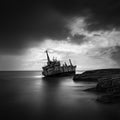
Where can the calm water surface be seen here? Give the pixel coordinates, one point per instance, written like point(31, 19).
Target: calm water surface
point(28, 96)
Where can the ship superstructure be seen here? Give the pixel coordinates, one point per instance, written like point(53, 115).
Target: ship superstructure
point(54, 68)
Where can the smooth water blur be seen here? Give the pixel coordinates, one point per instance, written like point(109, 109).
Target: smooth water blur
point(28, 96)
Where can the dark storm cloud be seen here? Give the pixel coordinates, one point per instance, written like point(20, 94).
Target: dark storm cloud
point(103, 14)
point(26, 22)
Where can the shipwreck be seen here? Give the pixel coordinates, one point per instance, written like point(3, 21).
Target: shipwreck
point(54, 68)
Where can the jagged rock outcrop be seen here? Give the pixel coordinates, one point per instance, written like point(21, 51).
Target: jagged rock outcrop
point(110, 86)
point(109, 98)
point(108, 83)
point(84, 77)
point(94, 75)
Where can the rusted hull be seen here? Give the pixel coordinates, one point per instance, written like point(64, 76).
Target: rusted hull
point(70, 73)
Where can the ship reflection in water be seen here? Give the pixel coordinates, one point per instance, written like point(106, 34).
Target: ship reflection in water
point(23, 96)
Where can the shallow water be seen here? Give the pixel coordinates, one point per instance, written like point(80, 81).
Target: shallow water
point(28, 96)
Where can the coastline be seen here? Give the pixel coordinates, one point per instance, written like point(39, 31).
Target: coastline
point(108, 84)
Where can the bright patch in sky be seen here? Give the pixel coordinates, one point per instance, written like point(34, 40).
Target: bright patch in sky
point(84, 56)
point(94, 52)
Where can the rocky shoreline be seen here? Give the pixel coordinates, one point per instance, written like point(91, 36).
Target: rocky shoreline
point(108, 83)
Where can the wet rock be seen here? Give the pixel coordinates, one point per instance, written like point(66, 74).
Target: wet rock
point(79, 77)
point(108, 83)
point(111, 87)
point(109, 98)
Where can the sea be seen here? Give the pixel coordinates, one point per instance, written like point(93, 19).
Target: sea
point(27, 95)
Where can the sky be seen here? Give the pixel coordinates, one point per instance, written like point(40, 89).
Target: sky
point(86, 31)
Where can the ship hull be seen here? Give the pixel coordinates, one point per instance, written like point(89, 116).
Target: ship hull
point(70, 73)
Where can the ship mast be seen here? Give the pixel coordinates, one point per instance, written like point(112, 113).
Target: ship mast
point(70, 62)
point(48, 58)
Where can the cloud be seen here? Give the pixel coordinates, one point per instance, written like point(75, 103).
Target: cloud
point(97, 44)
point(83, 30)
point(95, 40)
point(81, 55)
point(23, 24)
point(104, 12)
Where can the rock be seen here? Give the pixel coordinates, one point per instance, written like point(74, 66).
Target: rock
point(94, 75)
point(93, 89)
point(79, 77)
point(104, 99)
point(111, 87)
point(109, 84)
point(109, 98)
